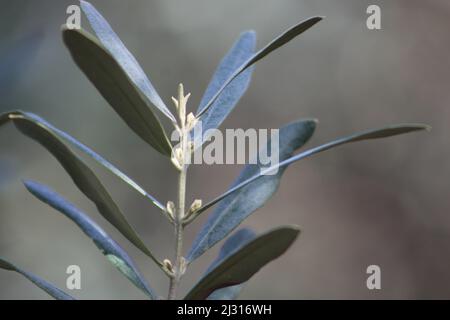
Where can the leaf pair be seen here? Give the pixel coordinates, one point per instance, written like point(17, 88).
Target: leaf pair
point(233, 75)
point(254, 187)
point(81, 174)
point(117, 75)
point(86, 180)
point(115, 254)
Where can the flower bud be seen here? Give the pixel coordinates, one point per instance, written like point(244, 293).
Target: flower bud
point(170, 208)
point(197, 204)
point(175, 162)
point(168, 265)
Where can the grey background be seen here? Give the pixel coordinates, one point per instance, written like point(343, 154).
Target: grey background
point(382, 202)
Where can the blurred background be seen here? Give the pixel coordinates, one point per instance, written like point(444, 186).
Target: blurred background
point(383, 202)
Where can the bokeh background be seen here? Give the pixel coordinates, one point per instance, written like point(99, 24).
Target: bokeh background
point(382, 202)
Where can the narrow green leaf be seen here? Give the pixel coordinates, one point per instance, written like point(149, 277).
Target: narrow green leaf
point(281, 40)
point(81, 174)
point(39, 282)
point(111, 249)
point(116, 87)
point(126, 60)
point(366, 135)
point(243, 264)
point(231, 245)
point(237, 207)
point(224, 104)
point(92, 154)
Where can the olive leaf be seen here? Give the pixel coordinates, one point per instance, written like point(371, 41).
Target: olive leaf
point(229, 97)
point(238, 206)
point(244, 263)
point(116, 87)
point(84, 178)
point(111, 249)
point(91, 153)
point(365, 135)
point(39, 282)
point(281, 40)
point(231, 245)
point(124, 58)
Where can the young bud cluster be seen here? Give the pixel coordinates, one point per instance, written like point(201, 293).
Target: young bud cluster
point(185, 125)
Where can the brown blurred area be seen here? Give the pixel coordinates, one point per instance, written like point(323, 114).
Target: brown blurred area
point(383, 202)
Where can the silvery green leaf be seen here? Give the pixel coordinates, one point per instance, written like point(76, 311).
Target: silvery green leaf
point(226, 101)
point(84, 178)
point(92, 154)
point(365, 135)
point(241, 265)
point(238, 206)
point(126, 60)
point(39, 282)
point(231, 245)
point(111, 249)
point(281, 40)
point(117, 88)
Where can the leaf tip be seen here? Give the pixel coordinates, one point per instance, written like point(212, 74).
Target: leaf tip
point(315, 19)
point(27, 183)
point(295, 228)
point(84, 3)
point(419, 126)
point(292, 229)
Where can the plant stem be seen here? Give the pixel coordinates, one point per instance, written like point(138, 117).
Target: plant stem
point(174, 281)
point(179, 265)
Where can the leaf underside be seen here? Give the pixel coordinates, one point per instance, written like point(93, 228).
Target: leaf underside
point(365, 135)
point(89, 152)
point(84, 178)
point(49, 288)
point(244, 263)
point(281, 40)
point(238, 206)
point(111, 249)
point(224, 104)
